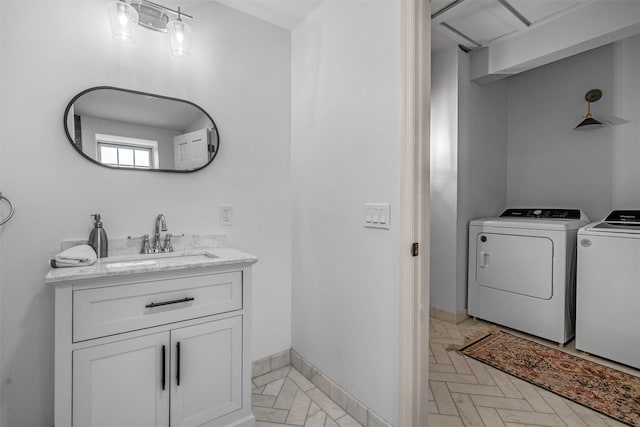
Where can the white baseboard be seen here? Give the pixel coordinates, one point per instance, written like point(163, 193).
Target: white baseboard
point(448, 316)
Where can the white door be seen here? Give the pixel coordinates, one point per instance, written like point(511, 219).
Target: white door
point(121, 383)
point(206, 371)
point(513, 263)
point(191, 150)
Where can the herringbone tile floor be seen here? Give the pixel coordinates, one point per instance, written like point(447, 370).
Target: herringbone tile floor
point(462, 392)
point(465, 392)
point(286, 398)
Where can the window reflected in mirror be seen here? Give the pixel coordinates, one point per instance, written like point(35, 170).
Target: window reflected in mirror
point(125, 155)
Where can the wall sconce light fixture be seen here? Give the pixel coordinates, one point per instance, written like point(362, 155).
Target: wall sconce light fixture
point(589, 122)
point(124, 15)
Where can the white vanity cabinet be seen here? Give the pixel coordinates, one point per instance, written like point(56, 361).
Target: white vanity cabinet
point(168, 349)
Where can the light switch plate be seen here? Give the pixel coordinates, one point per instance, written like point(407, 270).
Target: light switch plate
point(376, 215)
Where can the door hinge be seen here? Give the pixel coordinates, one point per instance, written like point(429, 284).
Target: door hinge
point(415, 249)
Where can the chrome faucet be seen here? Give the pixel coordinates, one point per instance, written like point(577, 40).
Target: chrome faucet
point(160, 221)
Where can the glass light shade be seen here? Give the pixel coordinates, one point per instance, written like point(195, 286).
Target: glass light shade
point(180, 35)
point(124, 19)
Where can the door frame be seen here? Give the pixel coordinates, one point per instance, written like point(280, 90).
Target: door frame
point(415, 33)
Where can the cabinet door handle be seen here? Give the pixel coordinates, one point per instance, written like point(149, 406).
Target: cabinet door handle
point(164, 361)
point(178, 363)
point(175, 301)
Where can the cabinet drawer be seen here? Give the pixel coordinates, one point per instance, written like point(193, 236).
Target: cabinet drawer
point(116, 309)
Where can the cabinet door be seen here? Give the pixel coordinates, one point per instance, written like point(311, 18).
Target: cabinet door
point(206, 372)
point(121, 383)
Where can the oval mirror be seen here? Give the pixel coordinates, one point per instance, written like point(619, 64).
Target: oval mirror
point(126, 129)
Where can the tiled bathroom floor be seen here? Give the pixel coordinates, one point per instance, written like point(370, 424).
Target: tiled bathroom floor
point(464, 392)
point(286, 398)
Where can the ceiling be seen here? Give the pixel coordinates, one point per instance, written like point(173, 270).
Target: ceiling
point(283, 13)
point(480, 23)
point(470, 23)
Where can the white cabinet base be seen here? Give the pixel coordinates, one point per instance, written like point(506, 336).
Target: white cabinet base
point(117, 379)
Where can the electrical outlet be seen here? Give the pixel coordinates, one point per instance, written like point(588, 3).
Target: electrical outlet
point(226, 215)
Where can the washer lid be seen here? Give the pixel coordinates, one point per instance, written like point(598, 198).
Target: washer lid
point(537, 219)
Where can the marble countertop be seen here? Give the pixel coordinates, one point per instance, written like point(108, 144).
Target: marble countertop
point(136, 263)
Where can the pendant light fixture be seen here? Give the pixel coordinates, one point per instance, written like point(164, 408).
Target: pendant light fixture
point(125, 15)
point(124, 19)
point(589, 122)
point(180, 36)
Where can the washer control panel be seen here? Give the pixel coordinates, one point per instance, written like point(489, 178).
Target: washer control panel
point(542, 213)
point(623, 217)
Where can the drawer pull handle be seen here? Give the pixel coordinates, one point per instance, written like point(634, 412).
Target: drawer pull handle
point(176, 301)
point(164, 361)
point(178, 363)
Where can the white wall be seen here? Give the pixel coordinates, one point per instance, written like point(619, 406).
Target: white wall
point(482, 161)
point(626, 138)
point(468, 169)
point(239, 72)
point(201, 122)
point(345, 152)
point(444, 179)
point(549, 164)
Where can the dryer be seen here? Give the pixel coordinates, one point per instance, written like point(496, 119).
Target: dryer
point(608, 288)
point(522, 269)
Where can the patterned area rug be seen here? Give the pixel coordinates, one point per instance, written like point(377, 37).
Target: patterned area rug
point(595, 386)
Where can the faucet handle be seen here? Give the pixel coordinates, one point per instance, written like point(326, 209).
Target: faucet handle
point(146, 247)
point(168, 247)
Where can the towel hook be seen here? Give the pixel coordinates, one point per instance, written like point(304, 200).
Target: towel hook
point(13, 209)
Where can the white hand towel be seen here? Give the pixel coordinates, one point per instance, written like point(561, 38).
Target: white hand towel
point(76, 256)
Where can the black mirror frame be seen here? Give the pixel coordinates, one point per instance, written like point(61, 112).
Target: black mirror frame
point(73, 100)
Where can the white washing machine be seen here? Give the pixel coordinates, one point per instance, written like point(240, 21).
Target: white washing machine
point(608, 288)
point(522, 270)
